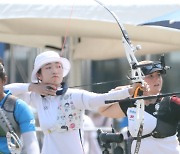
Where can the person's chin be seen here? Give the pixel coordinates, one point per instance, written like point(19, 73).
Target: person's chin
point(157, 88)
point(156, 93)
point(56, 82)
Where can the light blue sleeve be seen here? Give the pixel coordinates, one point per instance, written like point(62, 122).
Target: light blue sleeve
point(24, 116)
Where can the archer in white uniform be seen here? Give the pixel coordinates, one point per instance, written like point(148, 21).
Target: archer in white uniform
point(161, 116)
point(59, 108)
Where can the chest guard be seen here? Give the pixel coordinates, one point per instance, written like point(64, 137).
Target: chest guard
point(8, 110)
point(166, 121)
point(68, 116)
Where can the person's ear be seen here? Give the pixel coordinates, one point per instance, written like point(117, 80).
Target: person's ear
point(5, 80)
point(38, 76)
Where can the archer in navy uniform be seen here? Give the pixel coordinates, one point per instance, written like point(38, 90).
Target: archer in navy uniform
point(161, 116)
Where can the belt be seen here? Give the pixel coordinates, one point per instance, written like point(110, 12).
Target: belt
point(56, 129)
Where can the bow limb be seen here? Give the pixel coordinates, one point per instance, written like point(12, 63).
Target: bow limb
point(137, 75)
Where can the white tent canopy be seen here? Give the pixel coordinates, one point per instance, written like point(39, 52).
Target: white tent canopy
point(128, 11)
point(39, 23)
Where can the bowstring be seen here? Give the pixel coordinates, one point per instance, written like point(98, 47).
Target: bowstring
point(67, 29)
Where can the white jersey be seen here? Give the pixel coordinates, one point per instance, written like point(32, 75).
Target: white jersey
point(152, 145)
point(65, 110)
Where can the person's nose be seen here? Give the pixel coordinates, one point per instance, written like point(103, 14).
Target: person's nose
point(157, 78)
point(54, 70)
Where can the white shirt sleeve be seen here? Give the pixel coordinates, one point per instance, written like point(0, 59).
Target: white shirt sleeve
point(17, 88)
point(20, 90)
point(92, 101)
point(30, 143)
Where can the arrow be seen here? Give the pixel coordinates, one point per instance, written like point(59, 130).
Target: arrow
point(142, 97)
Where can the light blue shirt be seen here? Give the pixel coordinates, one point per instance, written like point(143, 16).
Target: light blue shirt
point(24, 117)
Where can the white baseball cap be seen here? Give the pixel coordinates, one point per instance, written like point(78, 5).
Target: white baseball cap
point(49, 57)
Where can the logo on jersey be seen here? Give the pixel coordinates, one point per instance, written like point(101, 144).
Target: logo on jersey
point(132, 111)
point(32, 122)
point(131, 117)
point(156, 109)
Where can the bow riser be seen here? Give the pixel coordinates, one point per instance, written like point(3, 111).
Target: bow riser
point(136, 73)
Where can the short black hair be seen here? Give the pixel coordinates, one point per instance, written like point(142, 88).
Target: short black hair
point(2, 71)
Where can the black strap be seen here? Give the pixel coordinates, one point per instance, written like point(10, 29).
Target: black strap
point(144, 136)
point(63, 89)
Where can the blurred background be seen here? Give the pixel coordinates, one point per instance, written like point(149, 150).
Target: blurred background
point(88, 35)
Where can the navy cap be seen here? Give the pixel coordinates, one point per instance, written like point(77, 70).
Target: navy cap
point(153, 68)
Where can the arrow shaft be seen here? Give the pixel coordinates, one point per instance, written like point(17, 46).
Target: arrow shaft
point(142, 97)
